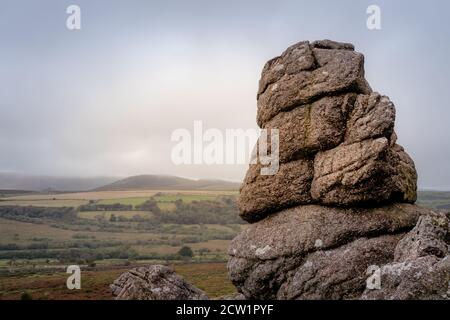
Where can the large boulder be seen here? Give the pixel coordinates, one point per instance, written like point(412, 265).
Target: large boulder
point(373, 116)
point(306, 72)
point(421, 266)
point(368, 172)
point(339, 273)
point(154, 282)
point(269, 253)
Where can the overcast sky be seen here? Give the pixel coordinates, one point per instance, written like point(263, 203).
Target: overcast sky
point(104, 100)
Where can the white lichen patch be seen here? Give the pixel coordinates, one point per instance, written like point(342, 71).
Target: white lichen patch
point(262, 251)
point(318, 243)
point(278, 67)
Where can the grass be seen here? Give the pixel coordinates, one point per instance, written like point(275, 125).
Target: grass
point(101, 195)
point(209, 277)
point(164, 240)
point(434, 199)
point(168, 206)
point(164, 243)
point(24, 233)
point(126, 201)
point(184, 197)
point(107, 214)
point(44, 203)
point(165, 199)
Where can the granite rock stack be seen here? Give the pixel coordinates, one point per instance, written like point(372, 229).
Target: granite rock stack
point(342, 201)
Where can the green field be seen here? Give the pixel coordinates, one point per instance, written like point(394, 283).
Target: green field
point(107, 214)
point(36, 238)
point(127, 201)
point(99, 195)
point(164, 198)
point(434, 199)
point(165, 201)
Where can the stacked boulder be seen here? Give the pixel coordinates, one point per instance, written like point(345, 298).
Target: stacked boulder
point(342, 199)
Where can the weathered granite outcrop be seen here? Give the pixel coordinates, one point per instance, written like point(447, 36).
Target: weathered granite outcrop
point(269, 255)
point(328, 118)
point(340, 211)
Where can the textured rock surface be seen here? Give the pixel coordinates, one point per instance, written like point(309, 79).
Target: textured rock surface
point(342, 202)
point(315, 94)
point(351, 174)
point(366, 172)
point(372, 117)
point(403, 178)
point(421, 267)
point(304, 73)
point(268, 253)
point(338, 273)
point(422, 278)
point(259, 194)
point(431, 236)
point(310, 128)
point(296, 230)
point(155, 282)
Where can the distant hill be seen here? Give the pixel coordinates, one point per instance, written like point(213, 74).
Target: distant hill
point(157, 182)
point(13, 193)
point(434, 199)
point(14, 181)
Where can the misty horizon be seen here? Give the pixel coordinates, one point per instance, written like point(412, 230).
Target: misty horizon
point(160, 67)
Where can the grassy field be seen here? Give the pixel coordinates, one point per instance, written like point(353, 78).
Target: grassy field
point(44, 202)
point(164, 198)
point(434, 199)
point(105, 195)
point(25, 233)
point(107, 214)
point(165, 201)
point(209, 277)
point(30, 247)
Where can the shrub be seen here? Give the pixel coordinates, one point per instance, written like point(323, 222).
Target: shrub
point(186, 252)
point(26, 296)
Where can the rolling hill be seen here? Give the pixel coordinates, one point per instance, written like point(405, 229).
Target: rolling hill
point(43, 183)
point(159, 182)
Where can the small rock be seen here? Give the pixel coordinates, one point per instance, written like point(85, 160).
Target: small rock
point(154, 282)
